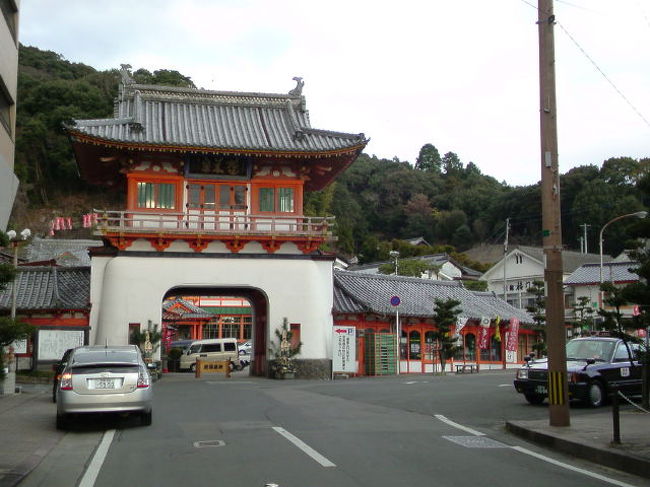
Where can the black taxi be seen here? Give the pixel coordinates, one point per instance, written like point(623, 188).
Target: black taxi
point(595, 366)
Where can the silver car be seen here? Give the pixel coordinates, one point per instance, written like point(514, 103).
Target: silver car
point(101, 379)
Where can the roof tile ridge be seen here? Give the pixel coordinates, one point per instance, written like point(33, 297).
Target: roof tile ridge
point(334, 133)
point(203, 91)
point(56, 297)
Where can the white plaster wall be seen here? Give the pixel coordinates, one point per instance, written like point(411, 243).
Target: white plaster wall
point(592, 292)
point(130, 290)
point(97, 267)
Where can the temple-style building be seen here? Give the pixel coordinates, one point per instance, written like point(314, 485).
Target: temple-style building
point(213, 185)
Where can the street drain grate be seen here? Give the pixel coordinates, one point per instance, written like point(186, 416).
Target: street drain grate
point(476, 442)
point(209, 443)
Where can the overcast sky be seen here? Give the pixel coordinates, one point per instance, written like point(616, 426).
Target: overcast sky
point(460, 74)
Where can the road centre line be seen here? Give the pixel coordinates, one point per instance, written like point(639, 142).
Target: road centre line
point(571, 467)
point(91, 473)
point(459, 426)
point(304, 447)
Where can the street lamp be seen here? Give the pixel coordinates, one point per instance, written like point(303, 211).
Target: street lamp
point(15, 240)
point(395, 255)
point(638, 214)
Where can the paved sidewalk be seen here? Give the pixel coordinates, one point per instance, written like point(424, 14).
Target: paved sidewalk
point(27, 430)
point(590, 437)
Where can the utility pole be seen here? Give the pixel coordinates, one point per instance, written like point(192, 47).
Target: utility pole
point(505, 254)
point(584, 237)
point(551, 222)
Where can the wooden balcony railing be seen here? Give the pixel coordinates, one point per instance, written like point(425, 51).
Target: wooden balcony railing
point(213, 224)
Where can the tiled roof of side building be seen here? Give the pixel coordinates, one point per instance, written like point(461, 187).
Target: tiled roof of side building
point(49, 288)
point(364, 293)
point(66, 252)
point(187, 117)
point(186, 310)
point(612, 272)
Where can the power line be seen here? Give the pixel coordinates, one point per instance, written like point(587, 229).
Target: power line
point(645, 120)
point(604, 75)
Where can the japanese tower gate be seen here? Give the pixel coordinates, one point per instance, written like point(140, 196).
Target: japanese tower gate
point(213, 186)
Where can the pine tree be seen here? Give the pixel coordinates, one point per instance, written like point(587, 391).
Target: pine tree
point(445, 316)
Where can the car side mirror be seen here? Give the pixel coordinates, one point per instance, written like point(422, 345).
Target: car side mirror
point(591, 361)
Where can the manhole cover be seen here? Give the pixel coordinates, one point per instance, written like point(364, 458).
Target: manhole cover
point(209, 443)
point(475, 442)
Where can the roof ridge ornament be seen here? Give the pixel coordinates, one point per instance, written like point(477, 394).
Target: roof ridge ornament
point(125, 72)
point(297, 91)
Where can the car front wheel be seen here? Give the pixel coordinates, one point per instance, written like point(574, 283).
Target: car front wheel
point(595, 395)
point(534, 398)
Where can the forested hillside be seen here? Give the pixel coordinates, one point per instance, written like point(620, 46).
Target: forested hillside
point(439, 197)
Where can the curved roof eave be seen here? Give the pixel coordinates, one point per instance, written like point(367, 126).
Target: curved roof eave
point(81, 137)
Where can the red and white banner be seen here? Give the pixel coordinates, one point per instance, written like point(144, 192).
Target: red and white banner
point(484, 333)
point(513, 335)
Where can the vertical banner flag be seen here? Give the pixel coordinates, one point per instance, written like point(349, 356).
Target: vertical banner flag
point(484, 333)
point(344, 349)
point(513, 335)
point(497, 331)
point(460, 324)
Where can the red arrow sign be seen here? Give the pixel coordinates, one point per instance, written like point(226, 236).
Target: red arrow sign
point(341, 330)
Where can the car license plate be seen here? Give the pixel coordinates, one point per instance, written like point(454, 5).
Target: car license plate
point(104, 383)
point(541, 390)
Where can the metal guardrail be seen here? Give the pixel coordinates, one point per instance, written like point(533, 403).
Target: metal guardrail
point(124, 222)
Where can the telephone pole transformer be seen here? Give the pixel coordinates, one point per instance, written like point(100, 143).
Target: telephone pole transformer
point(551, 221)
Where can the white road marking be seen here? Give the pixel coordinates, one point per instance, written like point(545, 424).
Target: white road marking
point(459, 426)
point(571, 467)
point(304, 447)
point(504, 385)
point(91, 473)
point(540, 456)
point(411, 382)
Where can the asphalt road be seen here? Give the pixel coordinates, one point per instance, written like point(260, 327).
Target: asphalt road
point(391, 431)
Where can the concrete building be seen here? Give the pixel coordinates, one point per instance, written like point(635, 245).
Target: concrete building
point(8, 96)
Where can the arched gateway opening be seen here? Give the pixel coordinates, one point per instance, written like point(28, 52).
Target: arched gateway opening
point(234, 323)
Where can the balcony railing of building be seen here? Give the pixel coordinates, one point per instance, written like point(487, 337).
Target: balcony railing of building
point(213, 224)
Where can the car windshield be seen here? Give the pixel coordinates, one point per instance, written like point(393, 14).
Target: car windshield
point(600, 350)
point(105, 356)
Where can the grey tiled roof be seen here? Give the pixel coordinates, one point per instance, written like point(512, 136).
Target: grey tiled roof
point(571, 260)
point(66, 252)
point(364, 293)
point(193, 311)
point(49, 288)
point(435, 259)
point(612, 272)
point(171, 116)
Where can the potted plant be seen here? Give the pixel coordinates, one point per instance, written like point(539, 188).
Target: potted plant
point(174, 359)
point(283, 365)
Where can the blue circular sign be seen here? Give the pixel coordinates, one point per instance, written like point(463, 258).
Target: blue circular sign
point(394, 301)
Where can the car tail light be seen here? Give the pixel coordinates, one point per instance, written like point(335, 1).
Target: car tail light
point(143, 379)
point(65, 384)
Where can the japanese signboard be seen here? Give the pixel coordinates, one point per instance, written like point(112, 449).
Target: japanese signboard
point(344, 345)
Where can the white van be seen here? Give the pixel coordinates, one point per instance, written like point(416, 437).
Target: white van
point(215, 349)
